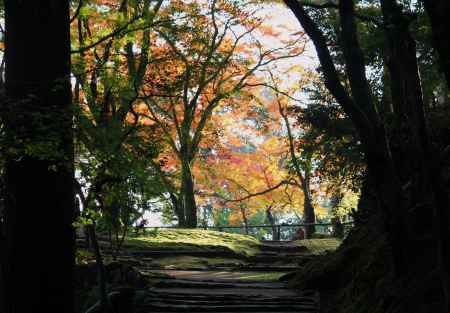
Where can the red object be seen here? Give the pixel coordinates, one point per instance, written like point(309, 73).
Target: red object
point(300, 234)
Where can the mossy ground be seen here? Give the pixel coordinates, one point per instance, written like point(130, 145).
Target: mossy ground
point(197, 240)
point(320, 246)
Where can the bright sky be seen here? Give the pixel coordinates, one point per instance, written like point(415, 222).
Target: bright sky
point(281, 17)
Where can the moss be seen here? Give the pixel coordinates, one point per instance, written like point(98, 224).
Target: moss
point(320, 246)
point(197, 240)
point(357, 277)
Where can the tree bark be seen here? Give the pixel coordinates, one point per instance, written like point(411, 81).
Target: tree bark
point(101, 271)
point(437, 11)
point(420, 169)
point(178, 209)
point(271, 220)
point(244, 218)
point(187, 187)
point(39, 185)
point(309, 216)
point(380, 163)
point(402, 165)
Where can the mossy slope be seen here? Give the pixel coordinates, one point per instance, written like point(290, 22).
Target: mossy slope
point(197, 240)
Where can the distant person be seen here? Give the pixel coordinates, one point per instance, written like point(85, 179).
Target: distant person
point(141, 226)
point(338, 227)
point(299, 234)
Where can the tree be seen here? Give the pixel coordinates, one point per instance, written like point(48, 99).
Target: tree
point(402, 157)
point(329, 133)
point(302, 166)
point(203, 69)
point(39, 172)
point(248, 172)
point(114, 150)
point(439, 23)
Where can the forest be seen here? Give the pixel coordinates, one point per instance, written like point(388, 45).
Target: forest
point(224, 156)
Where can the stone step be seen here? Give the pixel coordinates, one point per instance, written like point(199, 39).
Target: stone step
point(171, 253)
point(243, 268)
point(146, 310)
point(232, 301)
point(164, 307)
point(265, 268)
point(289, 295)
point(247, 293)
point(182, 283)
point(234, 294)
point(283, 249)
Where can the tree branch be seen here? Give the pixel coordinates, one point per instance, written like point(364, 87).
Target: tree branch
point(334, 5)
point(331, 77)
point(77, 11)
point(260, 193)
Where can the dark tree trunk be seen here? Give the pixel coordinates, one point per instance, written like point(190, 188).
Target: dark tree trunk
point(101, 271)
point(438, 11)
point(402, 165)
point(271, 220)
point(422, 168)
point(178, 210)
point(244, 218)
point(39, 176)
point(381, 167)
point(189, 205)
point(309, 217)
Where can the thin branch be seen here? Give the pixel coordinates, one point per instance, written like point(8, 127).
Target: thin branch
point(77, 11)
point(119, 31)
point(256, 194)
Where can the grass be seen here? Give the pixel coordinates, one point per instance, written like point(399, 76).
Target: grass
point(197, 240)
point(320, 246)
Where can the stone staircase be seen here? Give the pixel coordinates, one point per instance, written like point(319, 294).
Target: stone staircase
point(227, 296)
point(226, 291)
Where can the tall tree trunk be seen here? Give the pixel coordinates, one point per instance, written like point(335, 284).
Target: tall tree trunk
point(178, 209)
point(426, 186)
point(187, 187)
point(309, 216)
point(39, 177)
point(437, 11)
point(244, 218)
point(399, 183)
point(101, 271)
point(271, 220)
